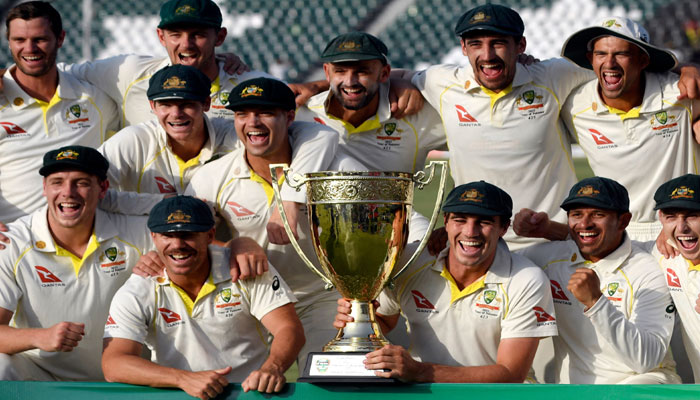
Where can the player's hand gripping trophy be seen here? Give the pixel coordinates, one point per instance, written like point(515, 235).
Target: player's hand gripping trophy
point(359, 228)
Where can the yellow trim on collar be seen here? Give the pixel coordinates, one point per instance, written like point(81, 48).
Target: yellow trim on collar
point(182, 166)
point(269, 192)
point(692, 267)
point(45, 108)
point(455, 293)
point(495, 96)
point(75, 260)
point(215, 86)
point(207, 288)
point(633, 113)
point(368, 125)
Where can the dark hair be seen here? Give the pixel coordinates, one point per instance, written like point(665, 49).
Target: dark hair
point(36, 9)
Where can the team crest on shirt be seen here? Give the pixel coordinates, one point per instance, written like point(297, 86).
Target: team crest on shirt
point(219, 102)
point(386, 138)
point(664, 124)
point(76, 116)
point(614, 292)
point(112, 261)
point(530, 104)
point(227, 303)
point(488, 304)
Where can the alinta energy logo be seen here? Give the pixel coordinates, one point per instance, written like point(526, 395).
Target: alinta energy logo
point(422, 303)
point(47, 277)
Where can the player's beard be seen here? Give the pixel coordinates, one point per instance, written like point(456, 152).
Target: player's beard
point(50, 62)
point(369, 96)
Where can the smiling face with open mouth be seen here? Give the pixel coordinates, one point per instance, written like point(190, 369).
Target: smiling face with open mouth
point(72, 198)
point(619, 65)
point(683, 228)
point(493, 58)
point(193, 46)
point(263, 131)
point(355, 84)
point(184, 253)
point(33, 45)
point(183, 120)
point(473, 239)
point(597, 232)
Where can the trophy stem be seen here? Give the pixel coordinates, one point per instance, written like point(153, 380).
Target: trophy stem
point(363, 335)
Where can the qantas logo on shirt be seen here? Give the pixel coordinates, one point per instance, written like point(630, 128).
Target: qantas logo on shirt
point(46, 276)
point(238, 209)
point(463, 115)
point(672, 279)
point(12, 129)
point(542, 315)
point(319, 120)
point(110, 321)
point(421, 301)
point(169, 316)
point(601, 140)
point(558, 292)
point(164, 186)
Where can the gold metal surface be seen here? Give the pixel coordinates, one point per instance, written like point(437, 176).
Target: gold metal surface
point(359, 223)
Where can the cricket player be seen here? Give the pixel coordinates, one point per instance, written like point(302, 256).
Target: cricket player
point(476, 312)
point(614, 313)
point(630, 117)
point(678, 205)
point(204, 331)
point(159, 157)
point(238, 186)
point(58, 273)
point(41, 108)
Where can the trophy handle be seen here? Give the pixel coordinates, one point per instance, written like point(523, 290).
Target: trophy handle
point(420, 180)
point(295, 182)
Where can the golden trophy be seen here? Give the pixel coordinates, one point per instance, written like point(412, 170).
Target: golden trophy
point(359, 228)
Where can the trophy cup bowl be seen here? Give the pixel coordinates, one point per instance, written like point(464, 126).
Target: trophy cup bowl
point(359, 227)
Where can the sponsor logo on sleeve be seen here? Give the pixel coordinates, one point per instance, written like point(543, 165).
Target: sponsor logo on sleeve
point(543, 318)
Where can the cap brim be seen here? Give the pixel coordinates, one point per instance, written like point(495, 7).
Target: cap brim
point(474, 209)
point(178, 96)
point(488, 29)
point(575, 49)
point(682, 204)
point(350, 57)
point(590, 202)
point(180, 228)
point(258, 103)
point(68, 166)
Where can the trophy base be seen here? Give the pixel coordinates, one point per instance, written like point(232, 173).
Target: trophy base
point(339, 368)
point(355, 344)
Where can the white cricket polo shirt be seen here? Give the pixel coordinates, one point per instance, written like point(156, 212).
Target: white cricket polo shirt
point(452, 327)
point(627, 332)
point(141, 158)
point(44, 284)
point(642, 148)
point(682, 278)
point(220, 328)
point(129, 84)
point(513, 139)
point(77, 114)
point(382, 143)
point(245, 200)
